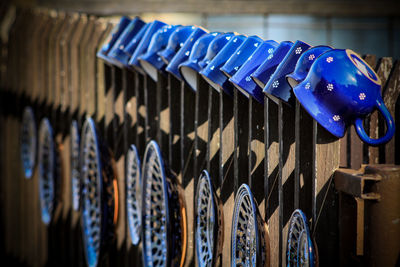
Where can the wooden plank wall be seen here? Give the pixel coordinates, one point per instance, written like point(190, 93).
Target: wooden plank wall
point(280, 151)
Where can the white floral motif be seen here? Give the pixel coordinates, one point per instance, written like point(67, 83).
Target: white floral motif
point(187, 53)
point(329, 87)
point(256, 45)
point(270, 50)
point(298, 50)
point(236, 68)
point(212, 68)
point(308, 86)
point(362, 96)
point(329, 59)
point(336, 117)
point(248, 79)
point(270, 56)
point(275, 84)
point(311, 57)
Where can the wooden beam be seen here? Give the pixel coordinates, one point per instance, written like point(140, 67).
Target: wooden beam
point(314, 7)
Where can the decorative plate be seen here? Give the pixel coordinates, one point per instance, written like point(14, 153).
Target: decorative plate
point(47, 170)
point(99, 194)
point(28, 142)
point(209, 222)
point(300, 250)
point(75, 165)
point(250, 242)
point(164, 232)
point(133, 194)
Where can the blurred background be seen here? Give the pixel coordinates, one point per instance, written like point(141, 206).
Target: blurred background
point(368, 27)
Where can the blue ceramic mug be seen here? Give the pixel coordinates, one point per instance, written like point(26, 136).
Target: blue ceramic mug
point(112, 38)
point(212, 73)
point(242, 79)
point(132, 45)
point(262, 74)
point(117, 54)
point(277, 86)
point(191, 67)
point(215, 46)
point(304, 63)
point(150, 61)
point(175, 42)
point(240, 56)
point(341, 89)
point(144, 44)
point(183, 54)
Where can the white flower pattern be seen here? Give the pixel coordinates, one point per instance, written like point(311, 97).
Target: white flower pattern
point(336, 118)
point(308, 86)
point(248, 79)
point(298, 50)
point(270, 51)
point(329, 87)
point(311, 57)
point(329, 59)
point(275, 84)
point(270, 56)
point(362, 96)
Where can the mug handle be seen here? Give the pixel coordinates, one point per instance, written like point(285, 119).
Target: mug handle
point(389, 124)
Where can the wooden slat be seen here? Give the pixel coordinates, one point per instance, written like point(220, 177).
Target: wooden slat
point(324, 206)
point(271, 183)
point(187, 156)
point(384, 68)
point(226, 169)
point(304, 156)
point(391, 98)
point(286, 132)
point(174, 157)
point(241, 132)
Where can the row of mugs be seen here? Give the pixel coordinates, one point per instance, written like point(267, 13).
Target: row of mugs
point(335, 86)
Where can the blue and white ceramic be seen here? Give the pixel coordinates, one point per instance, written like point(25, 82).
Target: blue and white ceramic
point(112, 38)
point(240, 56)
point(28, 142)
point(300, 249)
point(262, 74)
point(215, 46)
point(175, 42)
point(304, 63)
point(134, 194)
point(117, 54)
point(133, 44)
point(341, 89)
point(277, 86)
point(242, 79)
point(150, 61)
point(144, 44)
point(191, 67)
point(183, 54)
point(212, 73)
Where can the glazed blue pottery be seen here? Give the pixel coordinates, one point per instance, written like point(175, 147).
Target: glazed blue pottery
point(175, 42)
point(150, 61)
point(212, 73)
point(112, 38)
point(242, 79)
point(300, 249)
point(277, 86)
point(262, 74)
point(304, 63)
point(144, 44)
point(215, 46)
point(240, 56)
point(117, 54)
point(191, 67)
point(133, 44)
point(183, 54)
point(341, 89)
